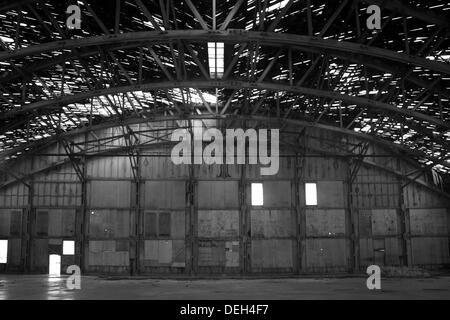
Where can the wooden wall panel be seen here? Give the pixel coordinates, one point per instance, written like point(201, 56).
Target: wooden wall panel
point(109, 223)
point(218, 194)
point(428, 221)
point(384, 222)
point(331, 194)
point(5, 218)
point(277, 194)
point(106, 253)
point(430, 251)
point(218, 224)
point(164, 195)
point(271, 254)
point(318, 169)
point(285, 171)
point(162, 168)
point(15, 196)
point(109, 167)
point(418, 197)
point(169, 253)
point(326, 254)
point(109, 194)
point(14, 252)
point(268, 224)
point(320, 222)
point(61, 223)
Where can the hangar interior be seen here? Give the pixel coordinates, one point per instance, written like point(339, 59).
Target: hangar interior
point(86, 118)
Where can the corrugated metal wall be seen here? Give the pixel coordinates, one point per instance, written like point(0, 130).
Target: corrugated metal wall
point(202, 221)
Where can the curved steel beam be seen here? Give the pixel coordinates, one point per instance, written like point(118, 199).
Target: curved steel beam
point(361, 59)
point(396, 148)
point(230, 84)
point(232, 35)
point(133, 121)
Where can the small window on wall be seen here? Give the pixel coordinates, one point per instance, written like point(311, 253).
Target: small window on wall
point(3, 251)
point(157, 224)
point(311, 194)
point(68, 248)
point(257, 194)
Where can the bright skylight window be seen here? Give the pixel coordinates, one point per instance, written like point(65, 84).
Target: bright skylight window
point(278, 6)
point(216, 59)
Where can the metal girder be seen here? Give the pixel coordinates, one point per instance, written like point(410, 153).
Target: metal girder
point(396, 148)
point(53, 104)
point(361, 59)
point(126, 149)
point(231, 35)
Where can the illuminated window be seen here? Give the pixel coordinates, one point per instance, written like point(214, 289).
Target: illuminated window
point(311, 194)
point(257, 194)
point(68, 248)
point(3, 251)
point(216, 59)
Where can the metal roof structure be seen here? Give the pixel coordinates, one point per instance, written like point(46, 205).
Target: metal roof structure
point(313, 62)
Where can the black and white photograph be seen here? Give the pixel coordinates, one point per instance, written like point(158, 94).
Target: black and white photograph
point(223, 156)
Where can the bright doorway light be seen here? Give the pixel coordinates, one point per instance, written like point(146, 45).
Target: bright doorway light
point(54, 265)
point(3, 251)
point(257, 194)
point(311, 194)
point(68, 247)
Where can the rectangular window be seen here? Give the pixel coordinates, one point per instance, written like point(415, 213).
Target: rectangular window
point(311, 194)
point(42, 223)
point(16, 223)
point(68, 248)
point(150, 224)
point(157, 224)
point(216, 59)
point(257, 194)
point(164, 224)
point(3, 251)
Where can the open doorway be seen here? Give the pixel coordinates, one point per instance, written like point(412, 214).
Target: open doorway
point(54, 265)
point(3, 251)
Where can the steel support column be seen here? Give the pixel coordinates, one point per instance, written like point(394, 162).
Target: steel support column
point(244, 228)
point(191, 223)
point(352, 223)
point(27, 237)
point(82, 217)
point(298, 214)
point(403, 223)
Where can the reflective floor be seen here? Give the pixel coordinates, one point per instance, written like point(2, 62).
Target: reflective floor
point(44, 287)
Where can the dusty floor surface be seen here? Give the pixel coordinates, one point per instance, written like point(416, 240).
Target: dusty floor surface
point(44, 287)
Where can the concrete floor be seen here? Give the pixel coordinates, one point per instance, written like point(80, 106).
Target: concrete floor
point(43, 287)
